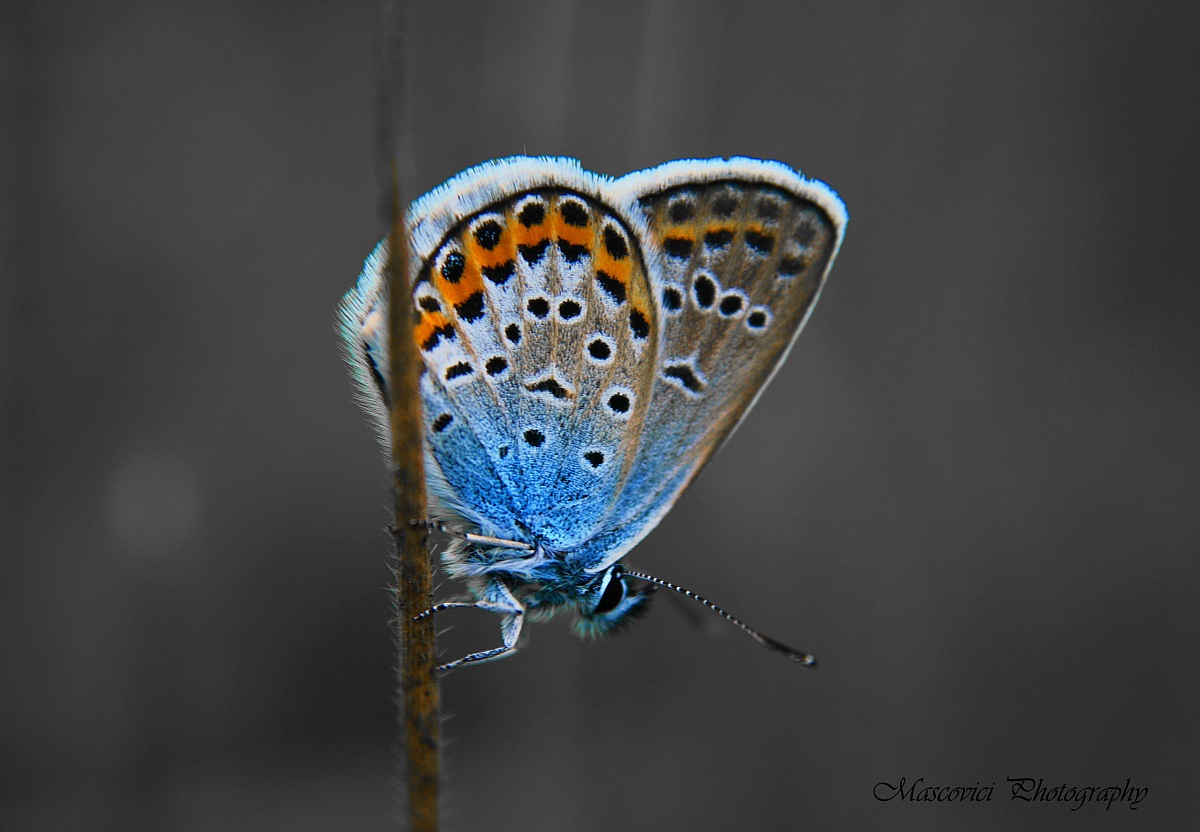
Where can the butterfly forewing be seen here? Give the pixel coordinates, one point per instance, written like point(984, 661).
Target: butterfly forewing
point(742, 263)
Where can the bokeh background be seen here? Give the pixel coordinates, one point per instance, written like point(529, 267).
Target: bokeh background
point(972, 490)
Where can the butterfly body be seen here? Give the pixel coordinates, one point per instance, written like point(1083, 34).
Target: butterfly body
point(588, 343)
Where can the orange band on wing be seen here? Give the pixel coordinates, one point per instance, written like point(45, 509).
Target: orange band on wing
point(570, 233)
point(618, 270)
point(431, 329)
point(469, 281)
point(501, 252)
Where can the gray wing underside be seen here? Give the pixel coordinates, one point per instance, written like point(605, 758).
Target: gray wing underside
point(742, 252)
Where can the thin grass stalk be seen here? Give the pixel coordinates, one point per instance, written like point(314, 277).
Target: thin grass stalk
point(419, 695)
point(420, 701)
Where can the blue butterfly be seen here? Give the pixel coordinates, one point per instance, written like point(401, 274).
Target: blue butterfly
point(588, 344)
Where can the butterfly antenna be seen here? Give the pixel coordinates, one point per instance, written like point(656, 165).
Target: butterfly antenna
point(798, 656)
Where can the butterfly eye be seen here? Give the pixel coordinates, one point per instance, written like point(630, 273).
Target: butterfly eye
point(618, 606)
point(611, 598)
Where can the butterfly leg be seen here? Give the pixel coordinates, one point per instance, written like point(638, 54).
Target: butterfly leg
point(468, 536)
point(496, 598)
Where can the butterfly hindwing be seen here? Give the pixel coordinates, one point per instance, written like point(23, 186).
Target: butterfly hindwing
point(553, 349)
point(538, 331)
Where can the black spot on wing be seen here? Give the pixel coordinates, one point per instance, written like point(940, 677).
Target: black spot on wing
point(445, 331)
point(442, 422)
point(681, 210)
point(534, 213)
point(500, 273)
point(488, 235)
point(805, 234)
point(454, 371)
point(685, 376)
point(551, 386)
point(768, 209)
point(534, 253)
point(725, 204)
point(573, 213)
point(762, 243)
point(614, 288)
point(718, 238)
point(679, 247)
point(790, 266)
point(638, 324)
point(470, 309)
point(615, 244)
point(730, 305)
point(571, 253)
point(534, 437)
point(452, 266)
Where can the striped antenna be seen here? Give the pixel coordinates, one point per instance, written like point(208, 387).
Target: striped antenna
point(798, 656)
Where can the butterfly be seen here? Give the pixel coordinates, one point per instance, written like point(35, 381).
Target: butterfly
point(588, 344)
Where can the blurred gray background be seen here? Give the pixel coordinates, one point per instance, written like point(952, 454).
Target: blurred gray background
point(972, 491)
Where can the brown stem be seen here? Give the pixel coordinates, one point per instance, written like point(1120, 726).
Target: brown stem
point(420, 703)
point(420, 699)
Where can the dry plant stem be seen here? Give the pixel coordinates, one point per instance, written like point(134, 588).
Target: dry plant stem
point(420, 699)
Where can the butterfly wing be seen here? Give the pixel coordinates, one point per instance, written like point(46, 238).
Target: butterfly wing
point(740, 250)
point(539, 334)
